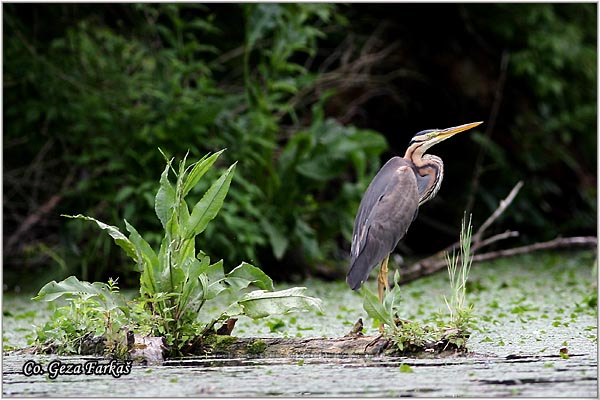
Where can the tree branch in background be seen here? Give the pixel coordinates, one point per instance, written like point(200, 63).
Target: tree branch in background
point(501, 208)
point(434, 263)
point(431, 265)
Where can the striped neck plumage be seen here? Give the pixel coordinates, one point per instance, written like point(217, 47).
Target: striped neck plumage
point(429, 170)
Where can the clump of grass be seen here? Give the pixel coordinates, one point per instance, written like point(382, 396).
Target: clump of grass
point(461, 314)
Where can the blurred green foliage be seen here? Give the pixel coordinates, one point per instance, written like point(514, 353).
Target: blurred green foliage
point(106, 97)
point(552, 81)
point(303, 96)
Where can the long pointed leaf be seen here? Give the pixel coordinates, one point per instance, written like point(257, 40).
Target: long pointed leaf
point(164, 201)
point(210, 204)
point(198, 171)
point(144, 250)
point(120, 239)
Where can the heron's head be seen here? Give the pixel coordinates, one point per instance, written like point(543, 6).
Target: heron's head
point(425, 139)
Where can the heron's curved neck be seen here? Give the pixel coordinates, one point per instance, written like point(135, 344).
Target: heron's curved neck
point(429, 170)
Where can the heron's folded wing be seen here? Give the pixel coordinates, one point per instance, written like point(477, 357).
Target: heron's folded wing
point(387, 210)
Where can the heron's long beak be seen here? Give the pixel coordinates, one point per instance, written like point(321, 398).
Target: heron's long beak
point(446, 133)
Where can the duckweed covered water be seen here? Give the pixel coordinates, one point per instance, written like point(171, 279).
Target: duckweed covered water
point(536, 336)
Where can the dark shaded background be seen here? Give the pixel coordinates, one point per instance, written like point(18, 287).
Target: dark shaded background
point(91, 91)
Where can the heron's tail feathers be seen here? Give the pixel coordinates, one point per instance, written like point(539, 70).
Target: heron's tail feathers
point(357, 274)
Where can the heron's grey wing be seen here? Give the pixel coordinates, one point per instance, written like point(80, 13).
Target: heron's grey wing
point(380, 185)
point(387, 209)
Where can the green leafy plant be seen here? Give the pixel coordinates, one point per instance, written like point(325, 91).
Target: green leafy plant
point(409, 336)
point(94, 309)
point(177, 281)
point(385, 312)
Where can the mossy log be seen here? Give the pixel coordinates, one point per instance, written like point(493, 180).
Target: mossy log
point(290, 347)
point(149, 350)
point(153, 350)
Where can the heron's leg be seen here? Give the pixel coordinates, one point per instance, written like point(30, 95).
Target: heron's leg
point(382, 278)
point(384, 271)
point(382, 283)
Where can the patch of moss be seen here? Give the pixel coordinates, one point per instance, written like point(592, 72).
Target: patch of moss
point(257, 347)
point(219, 343)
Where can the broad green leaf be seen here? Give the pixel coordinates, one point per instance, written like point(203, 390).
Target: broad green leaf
point(120, 239)
point(164, 202)
point(393, 297)
point(172, 229)
point(163, 265)
point(202, 292)
point(279, 241)
point(184, 213)
point(176, 278)
point(215, 275)
point(321, 167)
point(198, 171)
point(214, 272)
point(261, 303)
point(374, 308)
point(73, 287)
point(193, 269)
point(210, 204)
point(165, 260)
point(185, 251)
point(245, 274)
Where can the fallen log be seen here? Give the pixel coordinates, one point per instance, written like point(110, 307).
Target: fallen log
point(151, 350)
point(359, 345)
point(289, 347)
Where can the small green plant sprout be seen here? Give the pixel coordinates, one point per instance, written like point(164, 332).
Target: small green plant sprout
point(178, 281)
point(458, 270)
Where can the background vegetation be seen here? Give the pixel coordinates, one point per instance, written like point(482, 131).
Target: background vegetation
point(310, 99)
